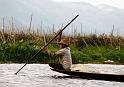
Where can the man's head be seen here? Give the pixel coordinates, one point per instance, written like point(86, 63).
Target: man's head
point(63, 43)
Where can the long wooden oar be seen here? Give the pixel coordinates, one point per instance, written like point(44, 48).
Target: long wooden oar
point(47, 44)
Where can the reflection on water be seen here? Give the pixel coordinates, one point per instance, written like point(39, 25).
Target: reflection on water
point(39, 75)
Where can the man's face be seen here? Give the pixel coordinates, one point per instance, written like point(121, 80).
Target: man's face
point(61, 45)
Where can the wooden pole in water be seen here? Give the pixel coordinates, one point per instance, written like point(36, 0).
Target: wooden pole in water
point(30, 25)
point(47, 43)
point(3, 37)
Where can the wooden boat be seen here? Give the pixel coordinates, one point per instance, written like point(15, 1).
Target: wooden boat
point(92, 75)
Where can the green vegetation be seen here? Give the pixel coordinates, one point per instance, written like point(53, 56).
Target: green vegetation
point(20, 47)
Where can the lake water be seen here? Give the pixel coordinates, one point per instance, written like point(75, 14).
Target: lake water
point(39, 75)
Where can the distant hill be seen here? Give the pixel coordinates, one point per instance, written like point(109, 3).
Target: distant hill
point(93, 18)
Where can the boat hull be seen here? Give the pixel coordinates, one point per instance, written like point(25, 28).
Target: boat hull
point(87, 75)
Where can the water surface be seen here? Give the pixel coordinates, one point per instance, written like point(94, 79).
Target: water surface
point(39, 75)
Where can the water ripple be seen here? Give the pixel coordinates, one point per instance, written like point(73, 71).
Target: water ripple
point(39, 75)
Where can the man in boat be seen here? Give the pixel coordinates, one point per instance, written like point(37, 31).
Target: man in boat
point(64, 52)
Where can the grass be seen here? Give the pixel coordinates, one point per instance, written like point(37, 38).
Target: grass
point(25, 46)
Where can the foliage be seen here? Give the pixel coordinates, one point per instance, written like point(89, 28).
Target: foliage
point(85, 49)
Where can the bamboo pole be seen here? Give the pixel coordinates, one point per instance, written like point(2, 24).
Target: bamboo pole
point(3, 31)
point(81, 29)
point(53, 28)
point(3, 25)
point(30, 25)
point(12, 30)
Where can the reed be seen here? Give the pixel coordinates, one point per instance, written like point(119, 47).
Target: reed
point(18, 46)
